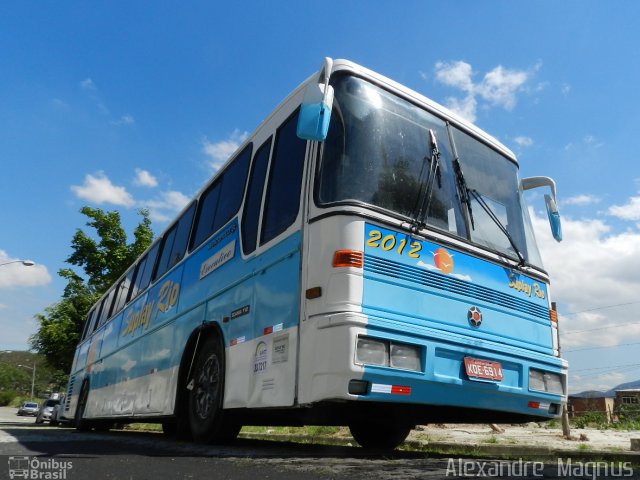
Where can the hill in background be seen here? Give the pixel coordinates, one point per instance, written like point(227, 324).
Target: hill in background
point(16, 376)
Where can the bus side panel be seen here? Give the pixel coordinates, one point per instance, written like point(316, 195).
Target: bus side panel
point(254, 302)
point(275, 327)
point(233, 311)
point(135, 379)
point(261, 333)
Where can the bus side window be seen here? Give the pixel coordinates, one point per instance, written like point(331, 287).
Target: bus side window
point(96, 318)
point(282, 201)
point(165, 251)
point(251, 214)
point(182, 235)
point(206, 213)
point(88, 327)
point(107, 304)
point(233, 182)
point(220, 202)
point(145, 269)
point(123, 291)
point(174, 243)
point(134, 290)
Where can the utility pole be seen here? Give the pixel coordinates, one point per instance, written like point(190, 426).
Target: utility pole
point(566, 429)
point(33, 376)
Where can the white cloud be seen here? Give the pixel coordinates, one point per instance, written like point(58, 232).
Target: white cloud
point(628, 211)
point(124, 120)
point(87, 84)
point(581, 200)
point(587, 142)
point(19, 275)
point(465, 107)
point(145, 179)
point(166, 206)
point(99, 189)
point(592, 142)
point(598, 382)
point(498, 87)
point(57, 103)
point(523, 141)
point(219, 152)
point(592, 267)
point(457, 74)
point(565, 89)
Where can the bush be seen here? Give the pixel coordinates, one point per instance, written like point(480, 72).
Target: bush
point(628, 417)
point(6, 396)
point(591, 419)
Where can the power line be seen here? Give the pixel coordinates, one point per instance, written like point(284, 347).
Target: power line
point(605, 368)
point(615, 325)
point(599, 308)
point(597, 348)
point(603, 372)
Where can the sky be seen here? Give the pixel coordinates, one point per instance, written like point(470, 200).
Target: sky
point(128, 105)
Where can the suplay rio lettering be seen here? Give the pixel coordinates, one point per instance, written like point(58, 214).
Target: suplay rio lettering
point(527, 288)
point(138, 319)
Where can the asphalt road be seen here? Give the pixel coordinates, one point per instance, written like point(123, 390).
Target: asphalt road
point(34, 451)
point(139, 455)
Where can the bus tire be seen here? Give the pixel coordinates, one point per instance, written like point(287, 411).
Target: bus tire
point(207, 420)
point(170, 429)
point(82, 424)
point(379, 436)
point(103, 426)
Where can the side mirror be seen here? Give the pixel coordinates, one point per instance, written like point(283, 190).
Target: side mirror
point(550, 201)
point(315, 111)
point(554, 217)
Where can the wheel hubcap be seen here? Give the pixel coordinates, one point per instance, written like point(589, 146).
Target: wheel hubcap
point(206, 387)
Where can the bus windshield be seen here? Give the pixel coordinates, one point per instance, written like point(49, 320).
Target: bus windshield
point(378, 152)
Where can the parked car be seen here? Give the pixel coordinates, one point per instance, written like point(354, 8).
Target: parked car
point(28, 408)
point(47, 410)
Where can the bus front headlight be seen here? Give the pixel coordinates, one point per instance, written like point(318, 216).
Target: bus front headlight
point(372, 352)
point(406, 357)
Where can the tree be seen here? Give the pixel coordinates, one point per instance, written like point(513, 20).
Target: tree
point(103, 259)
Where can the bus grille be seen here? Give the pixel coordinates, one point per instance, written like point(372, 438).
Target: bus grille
point(451, 284)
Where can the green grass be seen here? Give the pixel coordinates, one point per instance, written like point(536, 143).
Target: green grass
point(143, 427)
point(312, 430)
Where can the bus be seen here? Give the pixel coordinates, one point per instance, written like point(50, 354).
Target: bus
point(365, 259)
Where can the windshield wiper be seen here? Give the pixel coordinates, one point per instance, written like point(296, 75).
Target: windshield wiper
point(465, 197)
point(496, 220)
point(423, 199)
point(461, 183)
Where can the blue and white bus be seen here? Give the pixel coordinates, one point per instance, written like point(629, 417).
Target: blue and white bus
point(365, 258)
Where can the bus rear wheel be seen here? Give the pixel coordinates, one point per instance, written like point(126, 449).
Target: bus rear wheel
point(207, 420)
point(379, 436)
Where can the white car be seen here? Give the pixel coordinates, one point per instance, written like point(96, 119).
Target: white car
point(46, 411)
point(56, 416)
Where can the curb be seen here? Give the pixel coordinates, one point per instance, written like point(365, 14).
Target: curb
point(468, 449)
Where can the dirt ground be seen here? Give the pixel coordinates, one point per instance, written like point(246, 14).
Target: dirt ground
point(530, 434)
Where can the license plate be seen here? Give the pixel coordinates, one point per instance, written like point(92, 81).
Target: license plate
point(482, 369)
